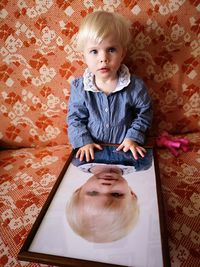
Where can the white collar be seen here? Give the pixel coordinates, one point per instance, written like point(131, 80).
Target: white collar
point(123, 81)
point(125, 169)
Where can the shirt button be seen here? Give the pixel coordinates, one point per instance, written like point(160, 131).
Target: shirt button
point(106, 109)
point(107, 125)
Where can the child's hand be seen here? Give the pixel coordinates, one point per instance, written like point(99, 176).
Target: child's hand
point(129, 144)
point(87, 151)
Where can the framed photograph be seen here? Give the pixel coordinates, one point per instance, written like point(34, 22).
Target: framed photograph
point(105, 212)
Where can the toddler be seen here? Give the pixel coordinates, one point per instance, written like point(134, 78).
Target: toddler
point(107, 104)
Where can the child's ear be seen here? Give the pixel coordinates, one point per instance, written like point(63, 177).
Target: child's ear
point(78, 190)
point(133, 194)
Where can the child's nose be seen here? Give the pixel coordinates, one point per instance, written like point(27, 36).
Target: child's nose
point(103, 58)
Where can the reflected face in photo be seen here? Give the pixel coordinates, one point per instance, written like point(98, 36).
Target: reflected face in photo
point(104, 208)
point(106, 184)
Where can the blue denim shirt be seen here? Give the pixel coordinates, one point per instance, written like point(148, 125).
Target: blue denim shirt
point(97, 117)
point(109, 156)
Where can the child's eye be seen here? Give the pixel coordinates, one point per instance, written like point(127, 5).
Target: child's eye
point(92, 193)
point(117, 194)
point(94, 51)
point(112, 49)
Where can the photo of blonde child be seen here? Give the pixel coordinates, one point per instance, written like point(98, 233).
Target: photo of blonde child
point(105, 211)
point(105, 208)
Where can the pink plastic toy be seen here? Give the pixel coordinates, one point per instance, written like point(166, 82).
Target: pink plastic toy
point(173, 144)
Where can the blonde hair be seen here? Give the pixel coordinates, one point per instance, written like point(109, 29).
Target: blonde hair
point(101, 224)
point(99, 25)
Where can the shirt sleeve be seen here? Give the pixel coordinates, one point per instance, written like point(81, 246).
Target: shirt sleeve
point(77, 116)
point(143, 112)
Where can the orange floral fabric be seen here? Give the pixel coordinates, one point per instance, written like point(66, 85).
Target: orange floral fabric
point(180, 181)
point(26, 179)
point(39, 60)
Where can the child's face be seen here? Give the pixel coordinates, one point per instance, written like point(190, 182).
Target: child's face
point(105, 58)
point(104, 186)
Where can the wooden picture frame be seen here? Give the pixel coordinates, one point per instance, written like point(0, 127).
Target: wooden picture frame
point(147, 239)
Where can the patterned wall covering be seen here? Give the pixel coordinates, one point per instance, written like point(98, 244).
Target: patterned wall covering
point(38, 61)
